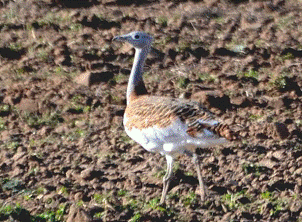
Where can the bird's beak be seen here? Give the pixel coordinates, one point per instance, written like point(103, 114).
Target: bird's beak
point(120, 38)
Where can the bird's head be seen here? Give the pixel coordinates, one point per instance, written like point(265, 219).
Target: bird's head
point(139, 40)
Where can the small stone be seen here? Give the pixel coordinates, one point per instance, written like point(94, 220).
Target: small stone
point(279, 155)
point(78, 196)
point(4, 135)
point(77, 215)
point(295, 206)
point(298, 172)
point(83, 79)
point(241, 101)
point(69, 174)
point(28, 105)
point(62, 129)
point(89, 78)
point(91, 173)
point(292, 170)
point(280, 131)
point(226, 216)
point(212, 159)
point(213, 99)
point(45, 130)
point(268, 163)
point(87, 173)
point(276, 103)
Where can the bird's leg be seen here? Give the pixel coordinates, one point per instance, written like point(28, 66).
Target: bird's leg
point(201, 184)
point(167, 178)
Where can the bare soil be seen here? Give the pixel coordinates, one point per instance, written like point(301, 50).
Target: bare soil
point(64, 155)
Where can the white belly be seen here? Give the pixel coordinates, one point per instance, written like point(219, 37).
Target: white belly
point(169, 140)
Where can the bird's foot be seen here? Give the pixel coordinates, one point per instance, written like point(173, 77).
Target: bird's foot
point(202, 193)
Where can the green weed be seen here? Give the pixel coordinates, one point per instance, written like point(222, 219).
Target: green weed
point(12, 145)
point(124, 138)
point(190, 199)
point(2, 124)
point(40, 190)
point(15, 46)
point(63, 190)
point(76, 134)
point(163, 21)
point(277, 208)
point(231, 199)
point(54, 18)
point(276, 205)
point(183, 82)
point(286, 22)
point(160, 173)
point(53, 216)
point(43, 55)
point(220, 20)
point(189, 173)
point(59, 71)
point(9, 211)
point(120, 78)
point(266, 195)
point(163, 41)
point(152, 204)
point(80, 203)
point(122, 193)
point(298, 122)
point(75, 27)
point(260, 43)
point(51, 119)
point(28, 197)
point(6, 209)
point(287, 56)
point(98, 215)
point(183, 46)
point(249, 74)
point(100, 198)
point(279, 81)
point(19, 71)
point(207, 77)
point(34, 171)
point(136, 217)
point(255, 117)
point(4, 108)
point(61, 211)
point(252, 168)
point(173, 195)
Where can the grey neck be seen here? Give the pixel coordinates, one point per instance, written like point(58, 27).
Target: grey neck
point(136, 84)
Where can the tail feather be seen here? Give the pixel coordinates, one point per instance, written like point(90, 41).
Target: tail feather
point(223, 130)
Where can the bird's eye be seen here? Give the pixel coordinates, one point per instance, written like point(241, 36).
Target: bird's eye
point(136, 36)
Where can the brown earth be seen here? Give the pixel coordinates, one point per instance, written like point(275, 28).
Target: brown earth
point(64, 155)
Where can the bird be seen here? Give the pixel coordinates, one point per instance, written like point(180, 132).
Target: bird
point(169, 126)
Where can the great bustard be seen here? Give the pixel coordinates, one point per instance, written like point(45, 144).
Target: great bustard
point(168, 126)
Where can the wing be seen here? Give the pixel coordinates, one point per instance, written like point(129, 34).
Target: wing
point(201, 122)
point(162, 112)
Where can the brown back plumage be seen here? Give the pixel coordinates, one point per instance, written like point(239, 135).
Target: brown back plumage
point(148, 111)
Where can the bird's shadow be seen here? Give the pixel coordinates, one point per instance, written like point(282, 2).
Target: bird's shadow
point(180, 176)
